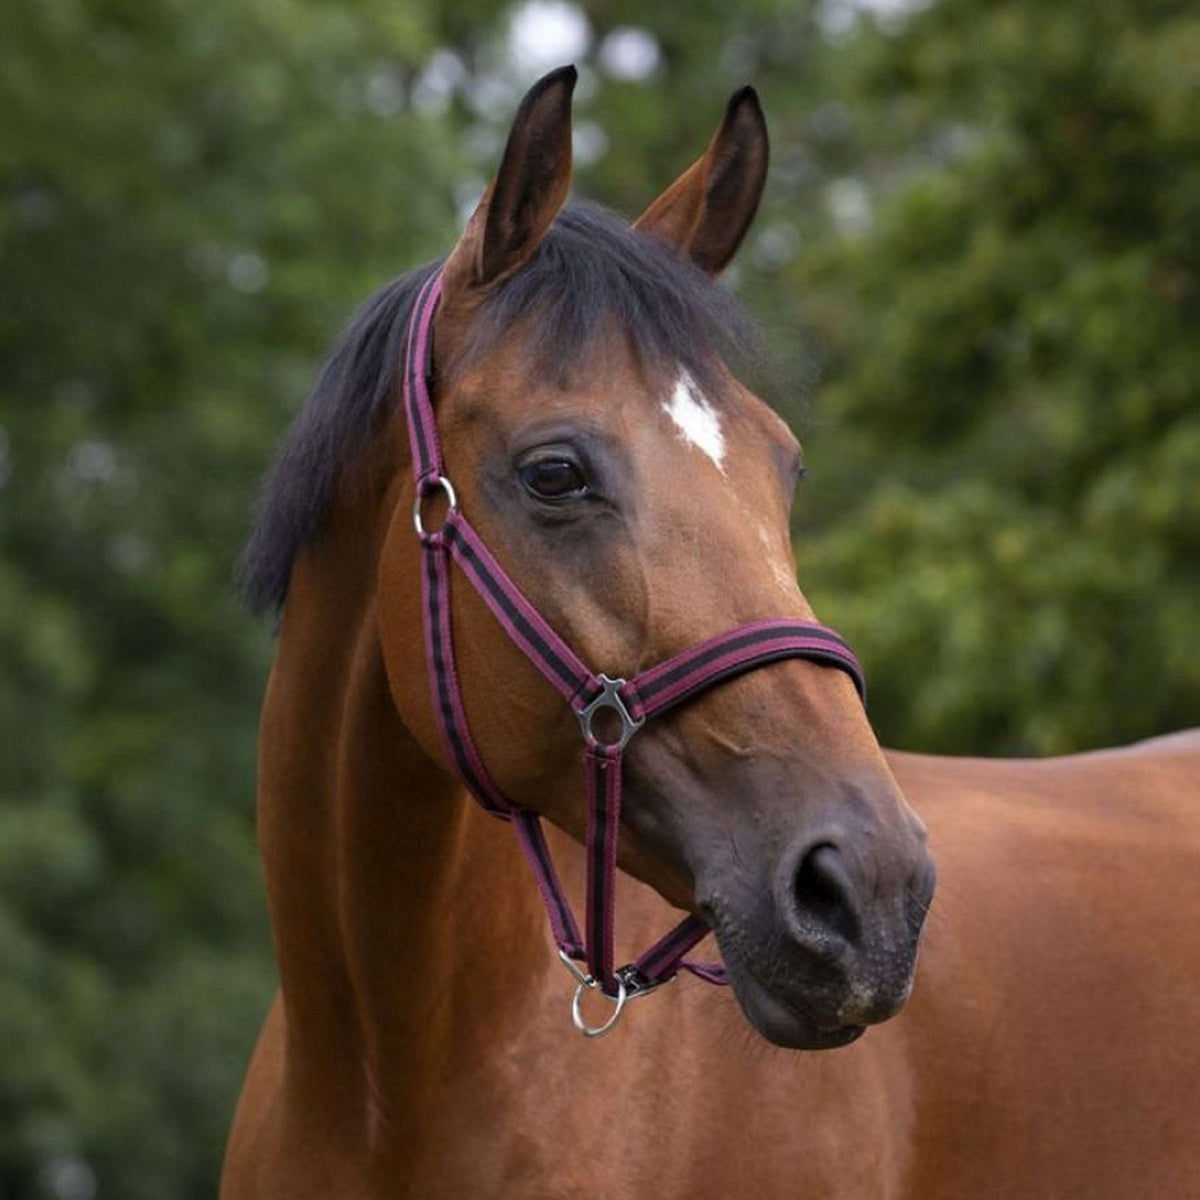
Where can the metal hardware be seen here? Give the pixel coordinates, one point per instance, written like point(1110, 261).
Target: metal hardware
point(593, 1031)
point(423, 493)
point(631, 985)
point(580, 975)
point(636, 984)
point(610, 697)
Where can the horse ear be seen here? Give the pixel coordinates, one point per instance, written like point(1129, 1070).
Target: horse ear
point(529, 188)
point(705, 213)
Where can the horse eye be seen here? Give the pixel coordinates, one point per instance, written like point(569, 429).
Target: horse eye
point(554, 479)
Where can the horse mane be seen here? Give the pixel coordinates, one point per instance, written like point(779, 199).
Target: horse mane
point(591, 272)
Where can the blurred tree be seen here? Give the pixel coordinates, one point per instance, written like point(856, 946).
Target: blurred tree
point(193, 197)
point(1005, 518)
point(982, 217)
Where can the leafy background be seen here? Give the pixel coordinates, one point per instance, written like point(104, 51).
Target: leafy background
point(978, 262)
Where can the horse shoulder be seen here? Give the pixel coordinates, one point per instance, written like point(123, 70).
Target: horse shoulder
point(1054, 1019)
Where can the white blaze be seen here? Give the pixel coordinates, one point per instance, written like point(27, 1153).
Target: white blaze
point(784, 572)
point(696, 419)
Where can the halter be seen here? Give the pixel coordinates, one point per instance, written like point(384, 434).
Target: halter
point(633, 702)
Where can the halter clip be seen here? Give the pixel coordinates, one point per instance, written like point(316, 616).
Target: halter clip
point(631, 985)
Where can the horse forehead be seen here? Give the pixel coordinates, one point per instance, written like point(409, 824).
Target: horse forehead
point(619, 397)
point(730, 431)
point(695, 419)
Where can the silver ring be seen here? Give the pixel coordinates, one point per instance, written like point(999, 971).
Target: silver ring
point(610, 697)
point(438, 481)
point(591, 1031)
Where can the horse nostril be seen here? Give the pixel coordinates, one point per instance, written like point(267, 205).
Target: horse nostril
point(824, 894)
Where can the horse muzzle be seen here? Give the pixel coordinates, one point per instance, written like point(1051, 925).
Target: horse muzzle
point(827, 946)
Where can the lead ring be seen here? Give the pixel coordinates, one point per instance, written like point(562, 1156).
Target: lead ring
point(423, 491)
point(591, 1031)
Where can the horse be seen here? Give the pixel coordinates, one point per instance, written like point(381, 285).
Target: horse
point(594, 451)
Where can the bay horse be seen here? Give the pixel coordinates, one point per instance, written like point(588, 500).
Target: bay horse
point(591, 443)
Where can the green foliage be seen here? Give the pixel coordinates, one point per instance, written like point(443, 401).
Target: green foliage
point(192, 199)
point(1006, 513)
point(983, 219)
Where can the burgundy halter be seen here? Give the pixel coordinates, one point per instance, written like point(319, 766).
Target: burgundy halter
point(648, 694)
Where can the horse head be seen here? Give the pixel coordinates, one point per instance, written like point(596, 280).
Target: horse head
point(639, 494)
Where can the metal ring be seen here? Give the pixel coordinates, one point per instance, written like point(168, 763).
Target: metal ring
point(610, 697)
point(423, 491)
point(587, 985)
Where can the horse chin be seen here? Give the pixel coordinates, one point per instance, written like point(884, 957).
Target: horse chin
point(785, 1024)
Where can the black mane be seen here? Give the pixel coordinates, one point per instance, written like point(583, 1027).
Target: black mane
point(591, 269)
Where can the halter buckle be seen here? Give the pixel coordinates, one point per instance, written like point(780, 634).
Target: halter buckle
point(424, 490)
point(610, 697)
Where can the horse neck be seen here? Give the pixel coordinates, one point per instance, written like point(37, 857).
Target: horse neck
point(402, 930)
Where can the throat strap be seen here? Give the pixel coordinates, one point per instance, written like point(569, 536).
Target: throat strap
point(629, 703)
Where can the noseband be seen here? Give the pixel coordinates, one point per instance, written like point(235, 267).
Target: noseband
point(633, 702)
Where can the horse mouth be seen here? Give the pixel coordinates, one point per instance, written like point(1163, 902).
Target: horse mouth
point(783, 1019)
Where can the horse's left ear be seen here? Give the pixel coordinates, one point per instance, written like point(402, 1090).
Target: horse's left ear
point(705, 213)
point(529, 189)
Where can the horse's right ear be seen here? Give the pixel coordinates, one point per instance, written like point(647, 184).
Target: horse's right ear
point(529, 189)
